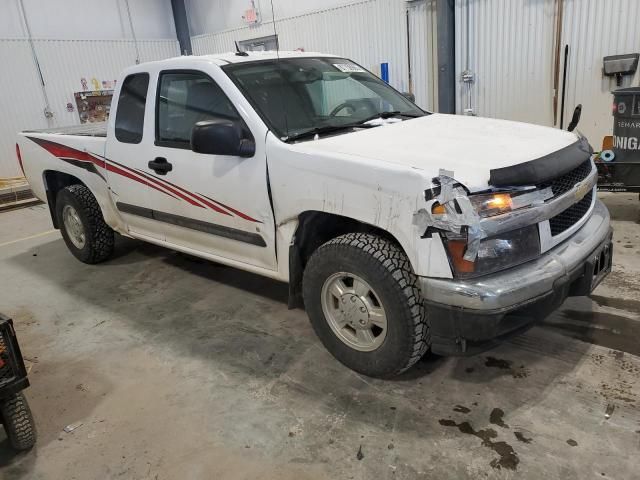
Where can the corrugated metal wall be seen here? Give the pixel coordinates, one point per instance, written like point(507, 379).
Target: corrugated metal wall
point(423, 52)
point(594, 29)
point(511, 52)
point(63, 64)
point(21, 101)
point(369, 32)
point(509, 45)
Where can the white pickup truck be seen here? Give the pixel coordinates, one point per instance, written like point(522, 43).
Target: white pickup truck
point(400, 230)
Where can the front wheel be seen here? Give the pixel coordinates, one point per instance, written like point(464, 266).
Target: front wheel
point(364, 304)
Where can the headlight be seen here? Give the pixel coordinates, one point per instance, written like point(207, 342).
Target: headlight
point(486, 205)
point(497, 253)
point(491, 204)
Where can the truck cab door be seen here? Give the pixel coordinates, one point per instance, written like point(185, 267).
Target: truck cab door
point(224, 209)
point(126, 155)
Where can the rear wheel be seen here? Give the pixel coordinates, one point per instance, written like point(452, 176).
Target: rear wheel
point(364, 304)
point(18, 422)
point(83, 228)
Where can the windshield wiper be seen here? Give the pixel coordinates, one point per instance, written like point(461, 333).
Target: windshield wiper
point(394, 113)
point(360, 124)
point(324, 129)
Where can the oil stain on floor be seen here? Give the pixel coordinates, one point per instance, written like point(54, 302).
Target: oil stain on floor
point(507, 457)
point(496, 418)
point(521, 438)
point(502, 364)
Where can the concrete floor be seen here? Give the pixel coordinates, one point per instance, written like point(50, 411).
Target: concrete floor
point(179, 368)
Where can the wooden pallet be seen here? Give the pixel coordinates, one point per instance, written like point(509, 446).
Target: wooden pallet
point(16, 195)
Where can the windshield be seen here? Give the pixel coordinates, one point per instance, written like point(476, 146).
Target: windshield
point(294, 96)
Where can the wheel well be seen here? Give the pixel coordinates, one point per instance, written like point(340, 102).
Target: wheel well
point(54, 182)
point(314, 229)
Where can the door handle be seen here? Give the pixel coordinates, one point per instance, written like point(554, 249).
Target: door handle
point(160, 166)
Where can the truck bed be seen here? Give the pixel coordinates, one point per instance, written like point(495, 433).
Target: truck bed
point(77, 151)
point(85, 130)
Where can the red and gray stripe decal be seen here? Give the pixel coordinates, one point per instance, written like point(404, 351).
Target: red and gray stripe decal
point(89, 161)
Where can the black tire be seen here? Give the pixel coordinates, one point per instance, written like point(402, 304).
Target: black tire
point(100, 239)
point(18, 422)
point(385, 267)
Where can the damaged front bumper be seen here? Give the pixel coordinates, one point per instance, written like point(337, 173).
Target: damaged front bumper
point(472, 315)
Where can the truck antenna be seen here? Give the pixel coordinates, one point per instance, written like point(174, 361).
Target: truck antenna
point(275, 33)
point(240, 53)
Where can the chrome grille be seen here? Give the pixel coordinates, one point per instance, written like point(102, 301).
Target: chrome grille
point(568, 218)
point(565, 182)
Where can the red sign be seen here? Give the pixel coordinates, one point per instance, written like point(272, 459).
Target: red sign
point(250, 16)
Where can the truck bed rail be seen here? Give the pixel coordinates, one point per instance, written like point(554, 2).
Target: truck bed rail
point(87, 130)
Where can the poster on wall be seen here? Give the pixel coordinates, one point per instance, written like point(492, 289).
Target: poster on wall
point(93, 106)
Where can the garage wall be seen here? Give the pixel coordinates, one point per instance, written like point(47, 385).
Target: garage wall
point(67, 52)
point(21, 103)
point(63, 63)
point(210, 16)
point(87, 19)
point(423, 52)
point(508, 45)
point(511, 52)
point(369, 32)
point(594, 29)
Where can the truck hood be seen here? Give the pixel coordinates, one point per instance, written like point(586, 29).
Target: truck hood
point(467, 146)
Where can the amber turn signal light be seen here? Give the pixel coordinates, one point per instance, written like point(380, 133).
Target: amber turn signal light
point(438, 209)
point(456, 253)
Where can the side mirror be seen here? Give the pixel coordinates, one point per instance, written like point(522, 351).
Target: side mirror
point(409, 96)
point(222, 136)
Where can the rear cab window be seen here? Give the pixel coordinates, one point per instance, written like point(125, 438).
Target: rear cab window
point(131, 104)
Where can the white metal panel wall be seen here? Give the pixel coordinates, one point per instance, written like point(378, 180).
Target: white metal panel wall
point(423, 51)
point(594, 29)
point(63, 64)
point(210, 16)
point(369, 32)
point(87, 19)
point(511, 54)
point(21, 101)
